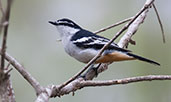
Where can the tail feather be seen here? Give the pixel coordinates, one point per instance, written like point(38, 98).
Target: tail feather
point(143, 59)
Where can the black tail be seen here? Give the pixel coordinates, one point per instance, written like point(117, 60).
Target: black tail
point(143, 59)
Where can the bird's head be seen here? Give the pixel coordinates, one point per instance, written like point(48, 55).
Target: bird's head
point(66, 26)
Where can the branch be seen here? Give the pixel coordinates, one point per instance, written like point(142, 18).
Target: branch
point(132, 30)
point(81, 83)
point(160, 23)
point(1, 8)
point(6, 20)
point(34, 83)
point(6, 90)
point(3, 13)
point(53, 91)
point(113, 25)
point(125, 80)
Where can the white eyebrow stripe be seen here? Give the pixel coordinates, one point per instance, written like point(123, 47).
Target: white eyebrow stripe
point(65, 22)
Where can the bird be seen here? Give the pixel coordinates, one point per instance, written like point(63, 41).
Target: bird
point(84, 45)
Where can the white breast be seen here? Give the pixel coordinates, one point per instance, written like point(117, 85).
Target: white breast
point(82, 55)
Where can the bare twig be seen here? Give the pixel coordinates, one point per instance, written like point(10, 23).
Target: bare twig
point(81, 83)
point(53, 91)
point(1, 8)
point(125, 80)
point(7, 66)
point(123, 42)
point(7, 15)
point(6, 90)
point(34, 83)
point(113, 25)
point(146, 6)
point(8, 71)
point(160, 23)
point(44, 96)
point(2, 18)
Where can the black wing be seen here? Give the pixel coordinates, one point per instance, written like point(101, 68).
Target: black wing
point(85, 39)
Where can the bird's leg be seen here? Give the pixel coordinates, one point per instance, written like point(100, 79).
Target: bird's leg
point(93, 70)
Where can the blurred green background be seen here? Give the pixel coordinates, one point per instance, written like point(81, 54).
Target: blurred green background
point(32, 41)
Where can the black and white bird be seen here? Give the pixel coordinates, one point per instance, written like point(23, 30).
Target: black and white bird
point(83, 45)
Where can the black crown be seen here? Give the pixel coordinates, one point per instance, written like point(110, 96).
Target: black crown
point(65, 22)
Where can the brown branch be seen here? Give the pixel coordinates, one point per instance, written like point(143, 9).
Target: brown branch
point(125, 80)
point(113, 25)
point(160, 23)
point(45, 95)
point(7, 15)
point(6, 90)
point(2, 18)
point(81, 83)
point(1, 8)
point(124, 41)
point(52, 90)
point(34, 83)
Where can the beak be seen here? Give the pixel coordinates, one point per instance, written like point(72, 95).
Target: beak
point(53, 23)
